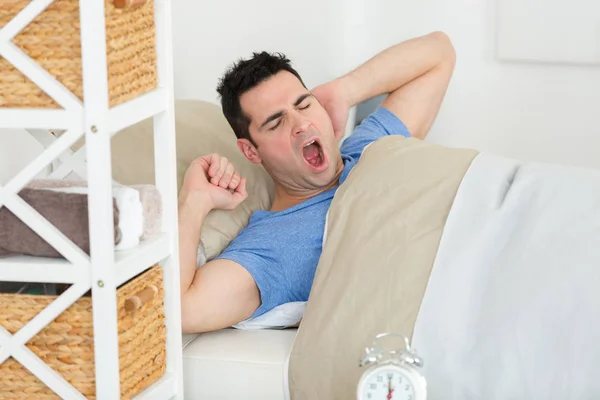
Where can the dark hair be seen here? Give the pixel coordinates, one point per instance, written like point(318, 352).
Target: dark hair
point(243, 76)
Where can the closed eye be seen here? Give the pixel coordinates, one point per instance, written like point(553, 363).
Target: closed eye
point(303, 99)
point(276, 125)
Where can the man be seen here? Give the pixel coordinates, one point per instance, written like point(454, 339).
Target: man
point(294, 134)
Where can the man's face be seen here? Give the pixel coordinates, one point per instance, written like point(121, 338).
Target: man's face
point(293, 134)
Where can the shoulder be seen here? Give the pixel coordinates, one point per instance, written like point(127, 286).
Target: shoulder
point(382, 122)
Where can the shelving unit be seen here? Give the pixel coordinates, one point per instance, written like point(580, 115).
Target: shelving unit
point(106, 269)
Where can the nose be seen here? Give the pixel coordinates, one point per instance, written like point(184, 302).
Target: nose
point(300, 125)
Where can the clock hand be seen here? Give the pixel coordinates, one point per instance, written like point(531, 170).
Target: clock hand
point(389, 396)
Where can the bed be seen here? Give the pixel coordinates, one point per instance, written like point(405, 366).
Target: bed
point(489, 265)
point(482, 255)
point(237, 364)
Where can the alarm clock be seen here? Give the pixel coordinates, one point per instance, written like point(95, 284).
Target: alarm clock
point(393, 374)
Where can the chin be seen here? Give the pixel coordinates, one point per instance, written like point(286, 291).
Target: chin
point(327, 177)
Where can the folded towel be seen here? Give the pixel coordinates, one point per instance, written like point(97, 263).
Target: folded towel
point(68, 212)
point(131, 221)
point(148, 194)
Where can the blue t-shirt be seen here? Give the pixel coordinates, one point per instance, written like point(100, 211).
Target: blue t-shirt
point(281, 249)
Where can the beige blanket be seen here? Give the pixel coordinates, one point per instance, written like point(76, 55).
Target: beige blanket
point(382, 235)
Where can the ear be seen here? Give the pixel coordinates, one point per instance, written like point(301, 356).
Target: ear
point(249, 151)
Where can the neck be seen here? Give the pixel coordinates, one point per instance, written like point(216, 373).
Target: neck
point(285, 198)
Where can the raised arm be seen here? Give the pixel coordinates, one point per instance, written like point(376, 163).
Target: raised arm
point(414, 73)
point(220, 293)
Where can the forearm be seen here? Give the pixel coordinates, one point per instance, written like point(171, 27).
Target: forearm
point(396, 66)
point(192, 211)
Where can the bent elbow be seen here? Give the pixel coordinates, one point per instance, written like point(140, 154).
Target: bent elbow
point(446, 47)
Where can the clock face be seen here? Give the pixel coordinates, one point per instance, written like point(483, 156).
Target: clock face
point(387, 383)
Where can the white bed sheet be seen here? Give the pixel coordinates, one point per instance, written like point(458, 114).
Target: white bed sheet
point(512, 308)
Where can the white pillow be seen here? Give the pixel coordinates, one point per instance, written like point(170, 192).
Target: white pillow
point(283, 316)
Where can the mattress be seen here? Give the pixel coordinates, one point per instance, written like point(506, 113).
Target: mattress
point(237, 364)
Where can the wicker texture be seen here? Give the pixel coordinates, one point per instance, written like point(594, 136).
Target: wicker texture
point(67, 344)
point(53, 40)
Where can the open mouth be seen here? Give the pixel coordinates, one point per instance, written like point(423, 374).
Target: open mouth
point(313, 154)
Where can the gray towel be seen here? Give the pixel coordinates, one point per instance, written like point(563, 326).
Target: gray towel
point(68, 212)
point(149, 196)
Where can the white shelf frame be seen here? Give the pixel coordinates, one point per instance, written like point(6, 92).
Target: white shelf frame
point(106, 269)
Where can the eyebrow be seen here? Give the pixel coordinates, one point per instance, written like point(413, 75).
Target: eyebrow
point(280, 114)
point(301, 99)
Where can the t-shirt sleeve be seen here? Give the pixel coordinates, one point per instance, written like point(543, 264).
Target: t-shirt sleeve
point(251, 253)
point(380, 123)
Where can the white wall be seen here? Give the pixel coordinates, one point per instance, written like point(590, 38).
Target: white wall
point(208, 37)
point(531, 111)
point(17, 149)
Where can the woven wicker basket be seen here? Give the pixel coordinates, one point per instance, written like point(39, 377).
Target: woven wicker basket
point(53, 40)
point(67, 344)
